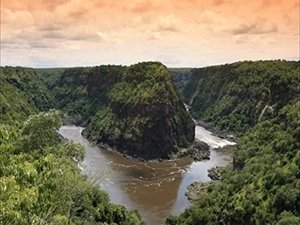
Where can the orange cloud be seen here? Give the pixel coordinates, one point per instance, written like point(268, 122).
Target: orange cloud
point(180, 33)
point(32, 5)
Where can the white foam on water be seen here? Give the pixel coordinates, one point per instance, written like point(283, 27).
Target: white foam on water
point(213, 141)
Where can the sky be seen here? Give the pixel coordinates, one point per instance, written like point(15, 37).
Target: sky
point(179, 33)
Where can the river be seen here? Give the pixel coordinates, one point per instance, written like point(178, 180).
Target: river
point(155, 189)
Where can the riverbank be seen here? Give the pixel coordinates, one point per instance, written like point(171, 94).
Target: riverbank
point(204, 142)
point(156, 188)
point(197, 190)
point(198, 151)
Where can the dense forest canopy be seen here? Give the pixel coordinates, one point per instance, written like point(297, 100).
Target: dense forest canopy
point(259, 101)
point(22, 93)
point(264, 186)
point(41, 183)
point(135, 109)
point(235, 97)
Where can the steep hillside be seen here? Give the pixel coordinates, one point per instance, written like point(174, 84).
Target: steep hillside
point(264, 187)
point(135, 109)
point(235, 97)
point(260, 101)
point(22, 93)
point(50, 75)
point(40, 181)
point(145, 117)
point(181, 77)
point(80, 92)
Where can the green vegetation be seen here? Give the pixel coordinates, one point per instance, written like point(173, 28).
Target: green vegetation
point(80, 92)
point(135, 109)
point(264, 187)
point(50, 76)
point(145, 116)
point(22, 93)
point(41, 183)
point(144, 83)
point(181, 77)
point(70, 92)
point(235, 97)
point(260, 102)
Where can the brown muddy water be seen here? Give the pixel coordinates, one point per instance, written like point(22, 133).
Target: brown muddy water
point(155, 189)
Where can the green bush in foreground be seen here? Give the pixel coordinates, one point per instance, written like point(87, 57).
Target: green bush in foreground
point(40, 182)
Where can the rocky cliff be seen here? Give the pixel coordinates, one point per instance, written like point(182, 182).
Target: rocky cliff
point(134, 109)
point(145, 116)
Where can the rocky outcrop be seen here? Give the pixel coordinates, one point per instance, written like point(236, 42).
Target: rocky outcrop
point(136, 110)
point(198, 151)
point(197, 190)
point(215, 173)
point(141, 115)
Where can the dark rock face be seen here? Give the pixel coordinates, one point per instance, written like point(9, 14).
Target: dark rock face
point(136, 110)
point(102, 78)
point(215, 173)
point(197, 151)
point(197, 191)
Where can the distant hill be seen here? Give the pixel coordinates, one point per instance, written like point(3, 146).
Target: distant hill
point(235, 97)
point(260, 101)
point(180, 77)
point(22, 93)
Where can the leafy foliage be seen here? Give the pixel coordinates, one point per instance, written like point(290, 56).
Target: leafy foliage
point(22, 93)
point(135, 109)
point(235, 97)
point(181, 77)
point(264, 187)
point(41, 183)
point(144, 115)
point(144, 83)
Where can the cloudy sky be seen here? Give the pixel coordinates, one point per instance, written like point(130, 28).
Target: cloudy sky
point(50, 33)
